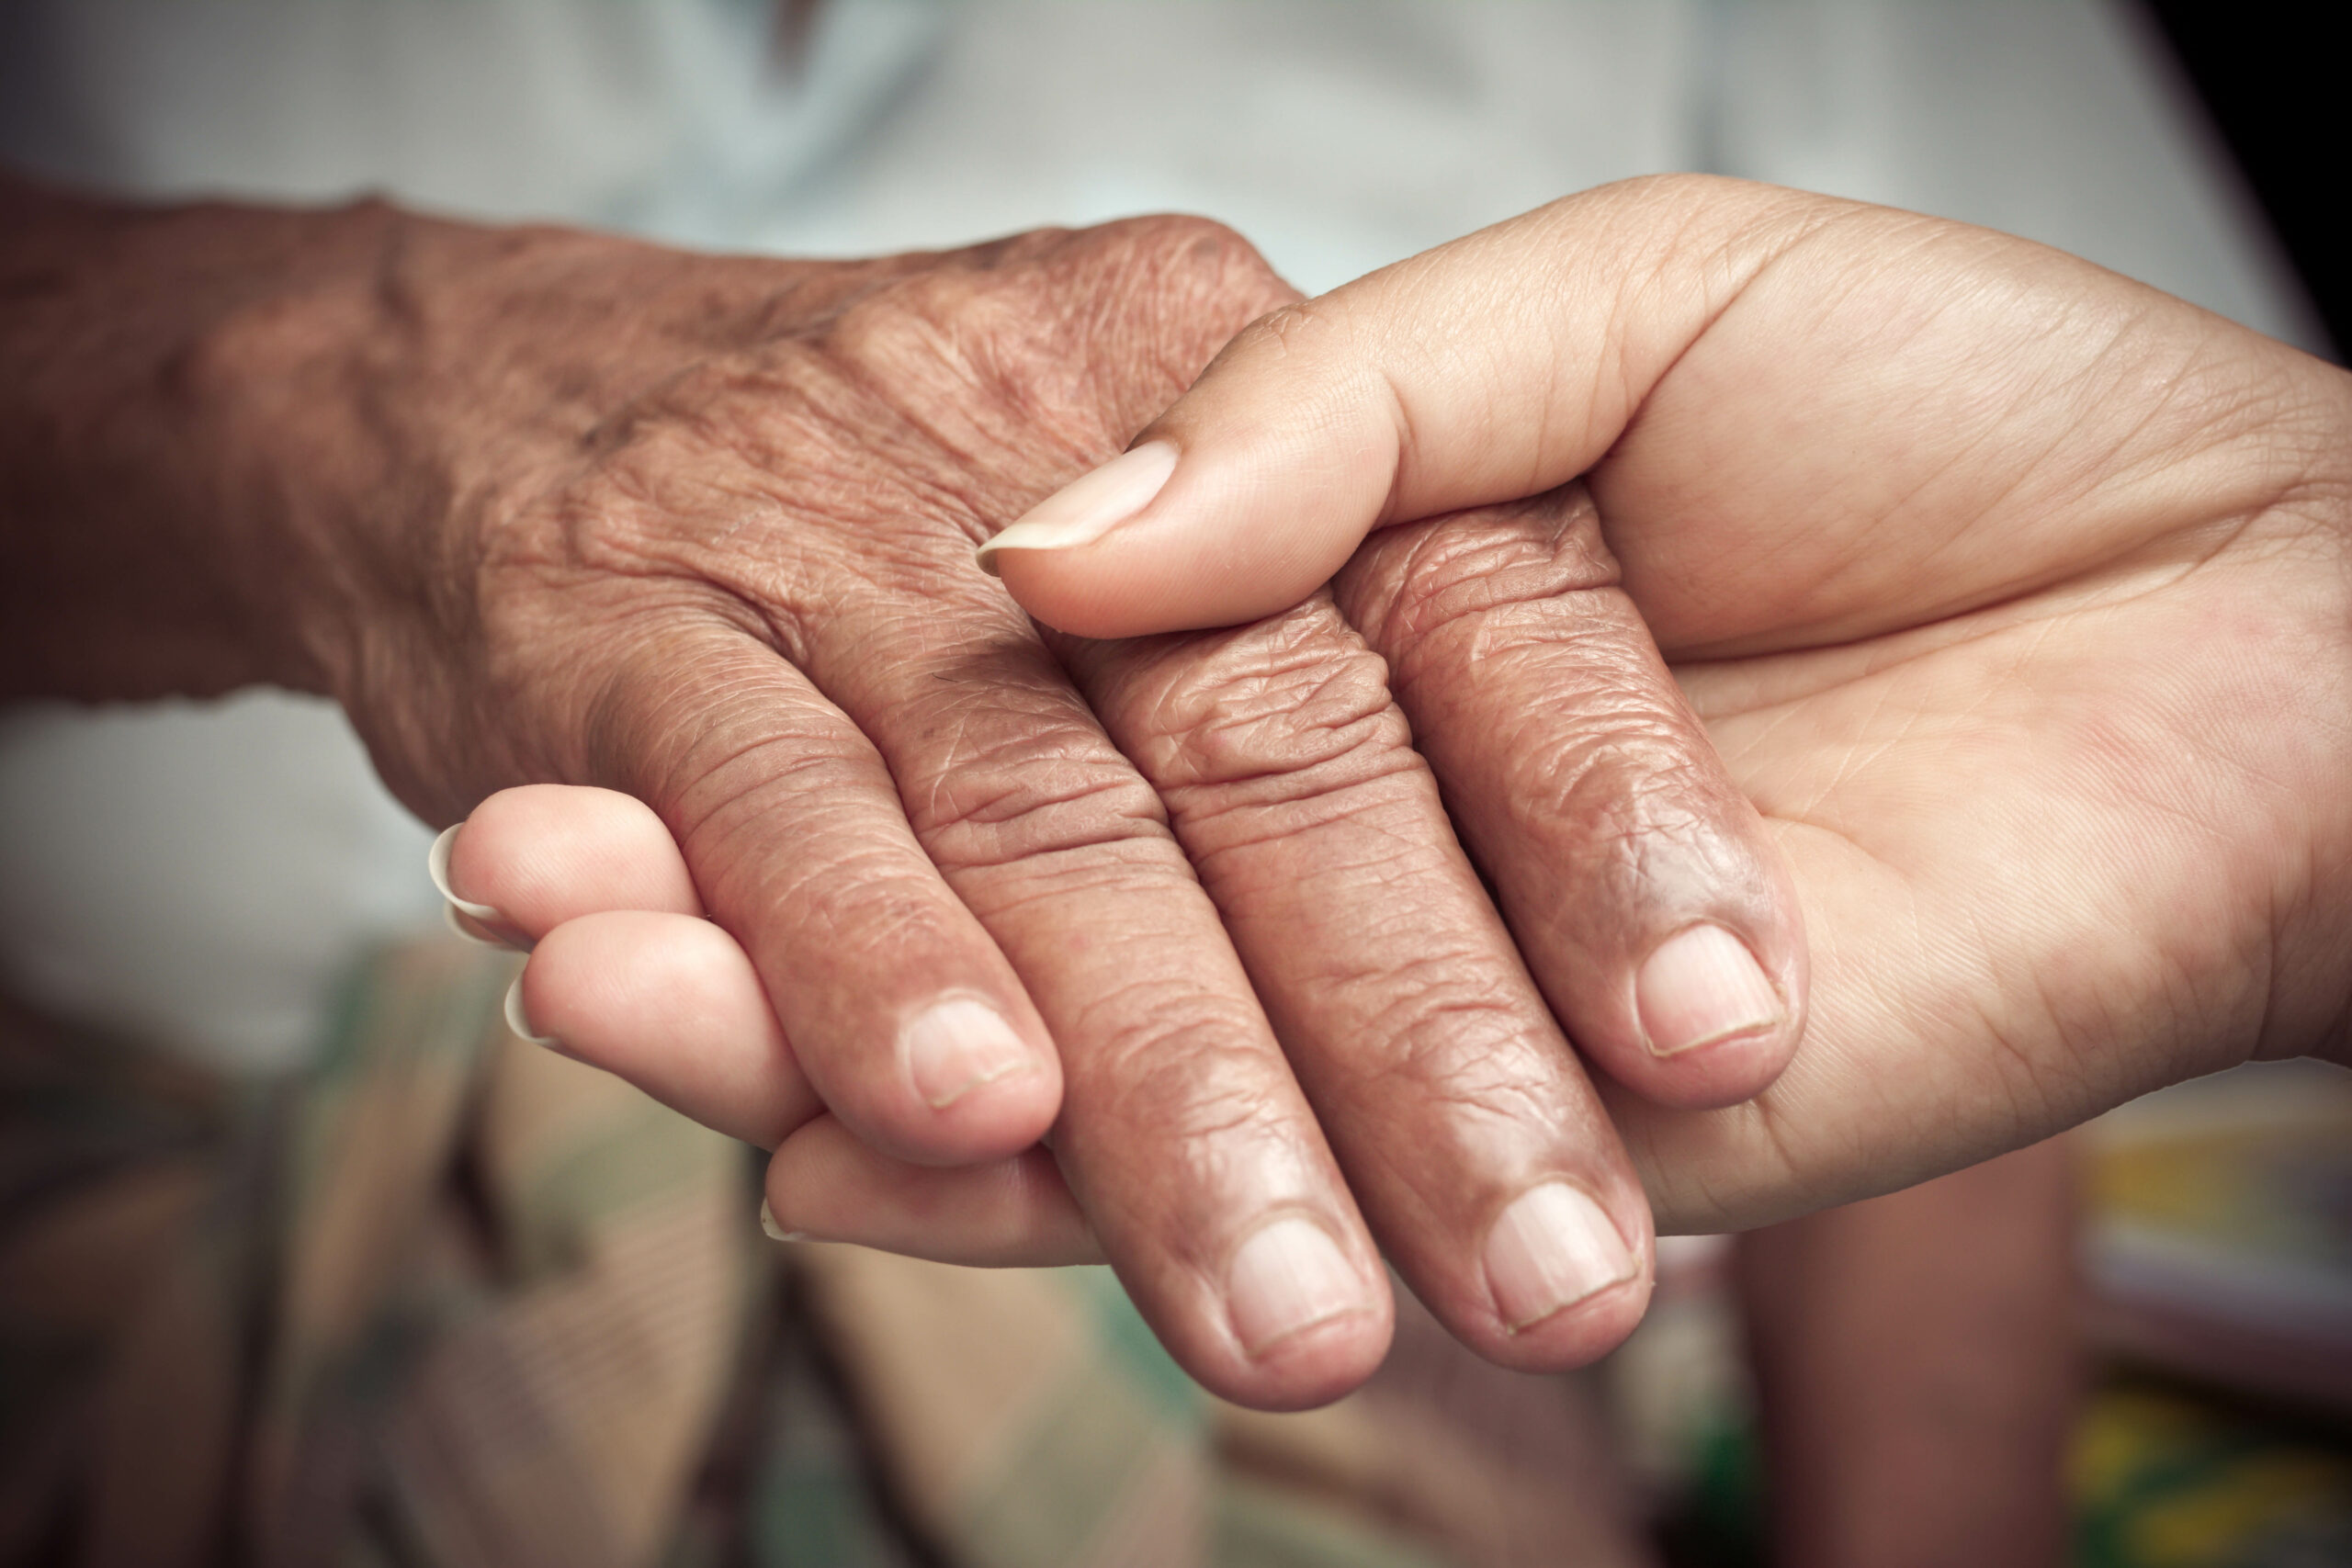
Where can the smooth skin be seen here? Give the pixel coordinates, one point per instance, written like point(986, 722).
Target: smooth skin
point(2014, 593)
point(541, 508)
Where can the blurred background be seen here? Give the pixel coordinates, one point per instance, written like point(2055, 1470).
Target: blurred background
point(301, 1257)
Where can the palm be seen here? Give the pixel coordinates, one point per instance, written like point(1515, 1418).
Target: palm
point(2041, 681)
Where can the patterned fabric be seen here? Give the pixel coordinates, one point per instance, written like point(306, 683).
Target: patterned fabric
point(1031, 1419)
point(454, 1300)
point(451, 1299)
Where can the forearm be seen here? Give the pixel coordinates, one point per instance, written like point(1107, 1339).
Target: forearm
point(1916, 1357)
point(164, 373)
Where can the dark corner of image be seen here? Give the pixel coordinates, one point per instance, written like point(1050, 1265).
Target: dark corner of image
point(2273, 88)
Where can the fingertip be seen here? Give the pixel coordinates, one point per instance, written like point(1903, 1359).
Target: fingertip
point(437, 866)
point(1314, 1368)
point(518, 1015)
point(1566, 1280)
point(1577, 1335)
point(1291, 1313)
point(965, 1084)
point(824, 1184)
point(1305, 1322)
point(1168, 580)
point(537, 855)
point(671, 1004)
point(1703, 986)
point(1717, 1022)
point(1240, 503)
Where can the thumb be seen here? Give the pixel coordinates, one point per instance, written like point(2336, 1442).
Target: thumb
point(1496, 367)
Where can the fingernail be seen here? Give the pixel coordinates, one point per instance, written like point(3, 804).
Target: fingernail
point(520, 1021)
point(1552, 1248)
point(1701, 987)
point(776, 1232)
point(1289, 1276)
point(438, 868)
point(1090, 506)
point(458, 926)
point(959, 1045)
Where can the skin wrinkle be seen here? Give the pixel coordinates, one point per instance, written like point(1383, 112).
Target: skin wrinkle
point(859, 897)
point(1052, 784)
point(1050, 882)
point(742, 817)
point(774, 753)
point(1044, 348)
point(1619, 774)
point(961, 769)
point(1254, 781)
point(603, 548)
point(1771, 230)
point(2132, 580)
point(613, 741)
point(1354, 1004)
point(1225, 846)
point(1617, 794)
point(1301, 705)
point(1297, 719)
point(1456, 1158)
point(1472, 565)
point(1388, 913)
point(1036, 843)
point(1193, 1083)
point(2199, 446)
point(804, 436)
point(1357, 738)
point(2164, 455)
point(1203, 1094)
point(1452, 1024)
point(966, 453)
point(1288, 765)
point(1020, 782)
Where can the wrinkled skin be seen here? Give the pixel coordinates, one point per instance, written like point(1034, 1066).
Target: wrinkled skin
point(545, 506)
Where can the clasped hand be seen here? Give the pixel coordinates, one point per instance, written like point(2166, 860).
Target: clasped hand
point(2012, 594)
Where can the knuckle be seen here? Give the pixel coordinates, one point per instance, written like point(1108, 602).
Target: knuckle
point(923, 324)
point(1295, 327)
point(1197, 1067)
point(1266, 734)
point(1453, 1015)
point(1198, 260)
point(1036, 800)
point(1292, 710)
point(1453, 1019)
point(1619, 792)
point(1022, 775)
point(713, 742)
point(1411, 584)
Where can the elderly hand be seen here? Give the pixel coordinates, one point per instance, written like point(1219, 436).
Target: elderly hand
point(2018, 596)
point(540, 505)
